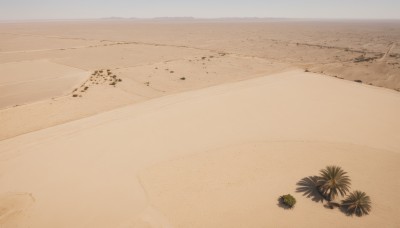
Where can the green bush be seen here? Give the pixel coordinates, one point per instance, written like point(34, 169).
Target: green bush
point(288, 200)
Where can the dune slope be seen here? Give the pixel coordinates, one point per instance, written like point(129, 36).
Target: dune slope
point(32, 81)
point(215, 157)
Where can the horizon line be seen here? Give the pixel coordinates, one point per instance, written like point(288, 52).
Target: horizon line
point(190, 18)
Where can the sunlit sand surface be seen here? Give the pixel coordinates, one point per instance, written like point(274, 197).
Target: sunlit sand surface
point(161, 124)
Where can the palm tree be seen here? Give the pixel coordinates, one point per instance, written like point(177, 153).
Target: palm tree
point(357, 203)
point(332, 181)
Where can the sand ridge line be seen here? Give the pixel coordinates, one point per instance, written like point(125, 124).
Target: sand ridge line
point(44, 50)
point(391, 47)
point(324, 46)
point(194, 94)
point(114, 43)
point(238, 55)
point(339, 48)
point(44, 60)
point(58, 49)
point(150, 210)
point(31, 84)
point(68, 65)
point(35, 80)
point(218, 188)
point(217, 89)
point(148, 64)
point(53, 37)
point(199, 90)
point(279, 41)
point(150, 99)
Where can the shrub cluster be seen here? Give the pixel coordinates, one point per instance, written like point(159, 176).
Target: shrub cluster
point(288, 200)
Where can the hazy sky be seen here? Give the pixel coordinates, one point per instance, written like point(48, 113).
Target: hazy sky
point(74, 9)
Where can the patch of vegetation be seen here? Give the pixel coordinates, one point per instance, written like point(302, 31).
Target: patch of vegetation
point(357, 203)
point(288, 200)
point(98, 77)
point(394, 55)
point(182, 78)
point(333, 180)
point(359, 81)
point(362, 58)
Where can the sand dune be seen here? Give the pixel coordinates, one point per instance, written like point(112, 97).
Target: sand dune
point(32, 81)
point(197, 123)
point(151, 77)
point(44, 57)
point(215, 157)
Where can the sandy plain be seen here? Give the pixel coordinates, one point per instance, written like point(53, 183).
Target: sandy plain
point(195, 124)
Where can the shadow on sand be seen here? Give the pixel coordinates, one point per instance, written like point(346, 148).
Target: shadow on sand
point(308, 186)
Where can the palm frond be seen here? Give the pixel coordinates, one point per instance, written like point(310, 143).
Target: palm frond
point(357, 203)
point(332, 182)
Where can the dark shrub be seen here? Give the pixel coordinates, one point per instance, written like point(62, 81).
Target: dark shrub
point(288, 200)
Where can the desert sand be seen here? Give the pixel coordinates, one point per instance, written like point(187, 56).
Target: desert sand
point(195, 124)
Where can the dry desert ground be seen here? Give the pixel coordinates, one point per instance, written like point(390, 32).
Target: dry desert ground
point(198, 123)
